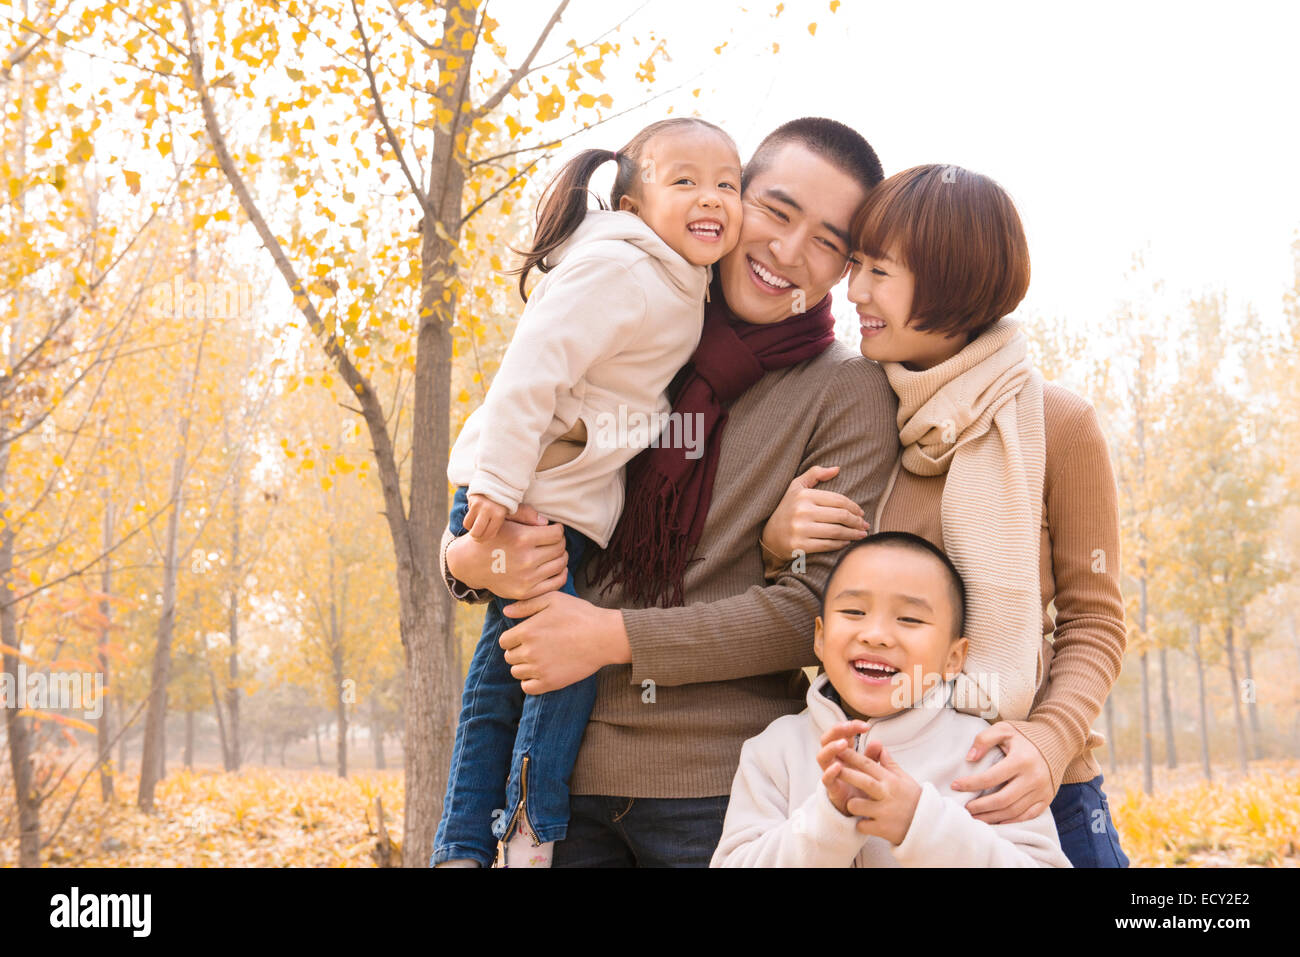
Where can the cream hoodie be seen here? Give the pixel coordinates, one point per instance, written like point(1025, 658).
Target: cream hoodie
point(601, 337)
point(781, 816)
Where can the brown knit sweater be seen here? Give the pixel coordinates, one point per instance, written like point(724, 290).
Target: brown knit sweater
point(708, 676)
point(1079, 571)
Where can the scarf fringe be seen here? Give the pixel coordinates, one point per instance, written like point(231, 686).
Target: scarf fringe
point(648, 554)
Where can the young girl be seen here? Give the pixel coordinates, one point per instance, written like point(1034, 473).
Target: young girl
point(619, 311)
point(1007, 474)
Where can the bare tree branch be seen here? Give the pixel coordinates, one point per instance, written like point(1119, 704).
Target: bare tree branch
point(499, 190)
point(490, 104)
point(383, 118)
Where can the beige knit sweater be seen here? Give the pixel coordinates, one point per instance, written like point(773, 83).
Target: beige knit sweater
point(1079, 575)
point(708, 676)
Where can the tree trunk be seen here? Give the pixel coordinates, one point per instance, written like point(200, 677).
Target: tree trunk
point(1167, 710)
point(1252, 702)
point(121, 744)
point(1237, 690)
point(104, 726)
point(336, 664)
point(1148, 783)
point(266, 750)
point(1201, 707)
point(221, 721)
point(232, 689)
point(377, 734)
point(162, 741)
point(18, 728)
point(152, 763)
point(189, 738)
point(320, 758)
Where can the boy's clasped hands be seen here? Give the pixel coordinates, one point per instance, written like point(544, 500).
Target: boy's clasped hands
point(871, 786)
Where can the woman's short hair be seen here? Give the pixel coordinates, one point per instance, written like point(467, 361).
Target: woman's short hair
point(959, 234)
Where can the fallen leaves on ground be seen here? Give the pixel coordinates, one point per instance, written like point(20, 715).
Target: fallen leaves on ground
point(256, 817)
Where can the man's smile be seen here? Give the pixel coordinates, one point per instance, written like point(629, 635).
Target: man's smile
point(767, 280)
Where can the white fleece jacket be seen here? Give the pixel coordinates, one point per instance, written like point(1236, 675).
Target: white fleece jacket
point(601, 337)
point(781, 816)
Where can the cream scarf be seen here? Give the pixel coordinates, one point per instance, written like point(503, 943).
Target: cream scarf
point(979, 417)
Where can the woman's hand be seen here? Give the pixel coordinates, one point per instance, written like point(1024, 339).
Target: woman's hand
point(524, 559)
point(812, 520)
point(1027, 790)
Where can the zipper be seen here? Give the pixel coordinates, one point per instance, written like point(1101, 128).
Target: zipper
point(523, 796)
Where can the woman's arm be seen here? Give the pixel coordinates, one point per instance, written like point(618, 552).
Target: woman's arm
point(1090, 631)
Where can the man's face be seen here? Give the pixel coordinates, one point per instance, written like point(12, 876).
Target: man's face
point(794, 241)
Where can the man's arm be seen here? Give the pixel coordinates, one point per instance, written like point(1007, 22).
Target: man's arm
point(768, 629)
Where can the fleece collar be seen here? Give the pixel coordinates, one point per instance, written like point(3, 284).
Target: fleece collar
point(894, 730)
point(599, 224)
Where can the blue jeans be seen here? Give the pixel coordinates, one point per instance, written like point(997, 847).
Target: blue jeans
point(1083, 821)
point(641, 832)
point(512, 751)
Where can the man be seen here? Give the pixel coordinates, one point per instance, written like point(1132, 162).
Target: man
point(681, 688)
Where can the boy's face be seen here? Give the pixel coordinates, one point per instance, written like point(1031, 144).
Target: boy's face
point(887, 637)
point(689, 193)
point(794, 242)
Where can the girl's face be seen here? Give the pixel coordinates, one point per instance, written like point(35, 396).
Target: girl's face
point(882, 289)
point(689, 193)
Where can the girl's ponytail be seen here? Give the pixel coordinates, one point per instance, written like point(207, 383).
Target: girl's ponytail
point(562, 209)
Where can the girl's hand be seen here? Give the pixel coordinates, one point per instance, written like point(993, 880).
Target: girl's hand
point(484, 517)
point(1025, 778)
point(813, 520)
point(526, 558)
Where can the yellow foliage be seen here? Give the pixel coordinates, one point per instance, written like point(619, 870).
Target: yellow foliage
point(256, 817)
point(1251, 821)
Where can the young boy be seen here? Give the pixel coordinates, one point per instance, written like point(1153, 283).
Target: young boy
point(890, 641)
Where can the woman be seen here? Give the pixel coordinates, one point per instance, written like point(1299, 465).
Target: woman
point(1007, 474)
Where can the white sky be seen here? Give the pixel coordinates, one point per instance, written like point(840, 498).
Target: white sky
point(1113, 125)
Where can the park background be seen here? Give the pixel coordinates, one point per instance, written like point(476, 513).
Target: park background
point(252, 285)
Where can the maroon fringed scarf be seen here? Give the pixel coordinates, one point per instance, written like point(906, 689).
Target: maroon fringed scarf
point(668, 493)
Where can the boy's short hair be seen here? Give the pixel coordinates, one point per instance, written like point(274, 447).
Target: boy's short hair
point(842, 146)
point(959, 234)
point(956, 586)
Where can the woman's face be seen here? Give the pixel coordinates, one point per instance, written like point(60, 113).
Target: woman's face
point(882, 289)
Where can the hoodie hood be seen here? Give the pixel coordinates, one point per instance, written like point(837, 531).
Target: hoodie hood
point(605, 224)
point(892, 730)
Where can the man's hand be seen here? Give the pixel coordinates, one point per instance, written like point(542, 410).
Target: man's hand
point(891, 795)
point(484, 517)
point(1025, 780)
point(526, 558)
point(563, 640)
point(837, 743)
